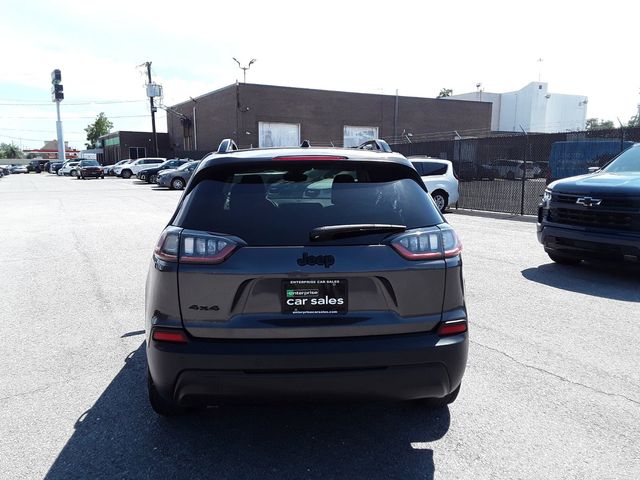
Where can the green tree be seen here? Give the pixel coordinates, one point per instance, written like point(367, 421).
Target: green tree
point(445, 92)
point(10, 150)
point(95, 130)
point(599, 124)
point(634, 121)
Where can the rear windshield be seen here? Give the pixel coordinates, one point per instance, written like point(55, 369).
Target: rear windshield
point(281, 204)
point(430, 168)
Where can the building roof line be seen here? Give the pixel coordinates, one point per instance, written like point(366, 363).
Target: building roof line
point(391, 96)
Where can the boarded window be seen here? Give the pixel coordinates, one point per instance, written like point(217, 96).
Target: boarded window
point(279, 134)
point(354, 136)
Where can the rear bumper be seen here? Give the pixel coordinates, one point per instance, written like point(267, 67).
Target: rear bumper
point(399, 367)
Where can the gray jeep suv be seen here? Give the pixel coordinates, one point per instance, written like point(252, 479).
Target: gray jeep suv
point(305, 273)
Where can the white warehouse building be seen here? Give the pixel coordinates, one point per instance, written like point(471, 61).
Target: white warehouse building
point(533, 108)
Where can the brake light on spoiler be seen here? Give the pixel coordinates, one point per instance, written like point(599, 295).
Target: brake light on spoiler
point(311, 157)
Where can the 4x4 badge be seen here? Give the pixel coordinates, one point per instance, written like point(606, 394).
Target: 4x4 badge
point(588, 201)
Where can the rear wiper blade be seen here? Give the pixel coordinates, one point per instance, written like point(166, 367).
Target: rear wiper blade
point(343, 231)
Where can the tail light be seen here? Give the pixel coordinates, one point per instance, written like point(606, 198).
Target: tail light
point(452, 327)
point(431, 243)
point(171, 335)
point(190, 246)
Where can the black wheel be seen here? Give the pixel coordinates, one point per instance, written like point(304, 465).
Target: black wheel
point(177, 183)
point(126, 174)
point(152, 178)
point(102, 177)
point(73, 173)
point(143, 178)
point(441, 199)
point(563, 259)
point(161, 405)
point(439, 402)
point(511, 176)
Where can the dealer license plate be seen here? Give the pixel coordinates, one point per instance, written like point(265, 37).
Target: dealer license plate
point(314, 296)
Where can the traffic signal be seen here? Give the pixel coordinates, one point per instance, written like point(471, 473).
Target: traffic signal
point(57, 93)
point(56, 77)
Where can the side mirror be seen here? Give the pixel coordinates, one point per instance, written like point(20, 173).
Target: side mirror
point(593, 169)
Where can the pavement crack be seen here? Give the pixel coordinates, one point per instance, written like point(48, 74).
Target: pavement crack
point(555, 375)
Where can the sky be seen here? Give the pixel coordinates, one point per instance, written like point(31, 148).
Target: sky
point(587, 48)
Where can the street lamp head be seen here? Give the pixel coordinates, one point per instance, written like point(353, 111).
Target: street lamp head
point(253, 60)
point(236, 60)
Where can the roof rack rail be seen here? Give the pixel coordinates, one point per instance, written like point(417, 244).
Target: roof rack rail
point(305, 144)
point(376, 144)
point(227, 145)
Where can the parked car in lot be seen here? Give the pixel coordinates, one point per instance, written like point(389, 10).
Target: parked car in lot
point(69, 168)
point(89, 168)
point(358, 295)
point(6, 169)
point(513, 169)
point(55, 166)
point(150, 174)
point(594, 216)
point(37, 165)
point(177, 178)
point(127, 170)
point(468, 171)
point(18, 169)
point(439, 178)
point(109, 169)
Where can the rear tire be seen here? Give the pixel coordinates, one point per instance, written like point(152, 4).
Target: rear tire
point(177, 184)
point(439, 402)
point(160, 405)
point(563, 259)
point(152, 179)
point(126, 174)
point(441, 199)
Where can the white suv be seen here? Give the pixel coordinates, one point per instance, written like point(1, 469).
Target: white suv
point(132, 168)
point(439, 179)
point(69, 168)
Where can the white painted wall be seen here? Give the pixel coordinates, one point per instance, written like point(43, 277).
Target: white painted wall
point(534, 108)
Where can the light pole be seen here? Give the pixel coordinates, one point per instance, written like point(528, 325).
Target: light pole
point(57, 95)
point(244, 69)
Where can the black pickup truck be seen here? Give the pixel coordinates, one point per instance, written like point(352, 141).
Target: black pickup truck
point(594, 216)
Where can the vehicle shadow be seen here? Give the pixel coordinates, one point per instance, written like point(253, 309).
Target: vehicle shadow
point(598, 280)
point(121, 437)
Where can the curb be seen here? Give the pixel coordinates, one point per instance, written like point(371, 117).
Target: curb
point(495, 215)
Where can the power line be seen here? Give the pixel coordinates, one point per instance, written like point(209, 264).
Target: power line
point(71, 118)
point(96, 102)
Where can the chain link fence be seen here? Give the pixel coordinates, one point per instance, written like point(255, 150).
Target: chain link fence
point(509, 172)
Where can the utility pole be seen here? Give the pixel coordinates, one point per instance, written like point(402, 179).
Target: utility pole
point(57, 95)
point(153, 112)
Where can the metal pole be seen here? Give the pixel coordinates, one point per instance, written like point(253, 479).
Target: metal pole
point(61, 156)
point(153, 113)
point(395, 119)
point(195, 130)
point(524, 169)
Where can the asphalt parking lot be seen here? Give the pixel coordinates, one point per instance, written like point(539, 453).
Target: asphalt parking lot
point(552, 388)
